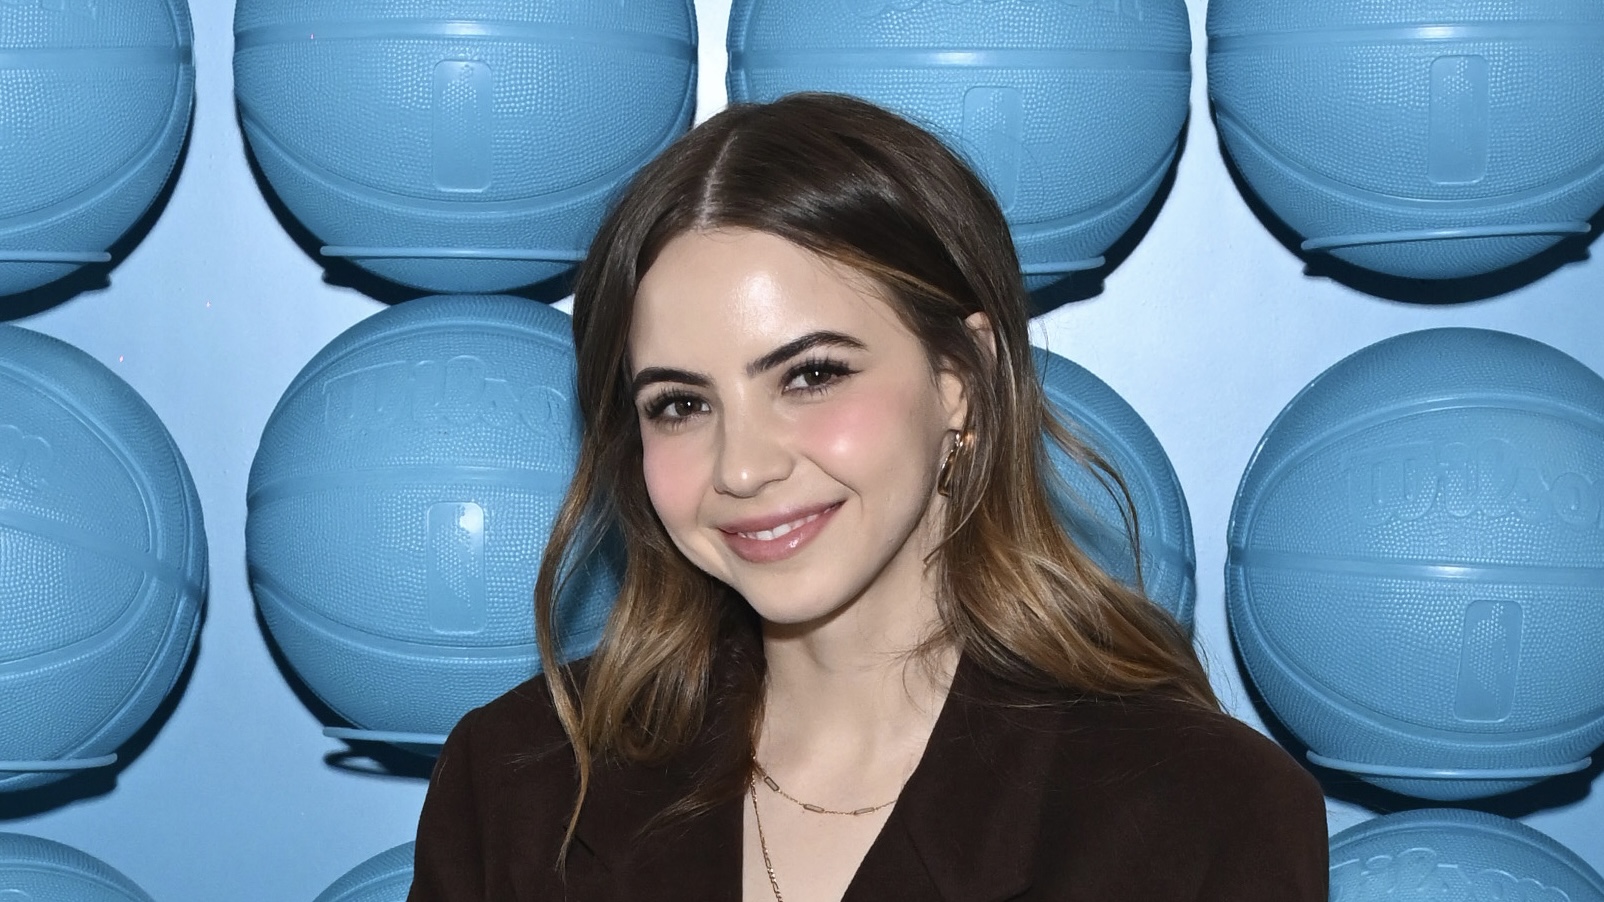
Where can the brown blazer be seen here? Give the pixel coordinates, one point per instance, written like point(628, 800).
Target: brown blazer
point(1094, 799)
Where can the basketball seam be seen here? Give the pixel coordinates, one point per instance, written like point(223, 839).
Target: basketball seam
point(1379, 723)
point(52, 213)
point(409, 206)
point(1509, 204)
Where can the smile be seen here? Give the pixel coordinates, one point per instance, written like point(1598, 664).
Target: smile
point(769, 535)
point(763, 541)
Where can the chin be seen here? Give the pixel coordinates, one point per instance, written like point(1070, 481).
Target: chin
point(795, 611)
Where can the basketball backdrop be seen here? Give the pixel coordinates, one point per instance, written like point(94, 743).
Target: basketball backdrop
point(1456, 854)
point(1070, 110)
point(460, 145)
point(399, 504)
point(102, 561)
point(386, 877)
point(1416, 569)
point(1419, 138)
point(94, 105)
point(42, 870)
point(1092, 507)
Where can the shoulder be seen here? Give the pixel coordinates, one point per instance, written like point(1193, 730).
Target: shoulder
point(514, 740)
point(1184, 750)
point(521, 721)
point(1227, 810)
point(488, 824)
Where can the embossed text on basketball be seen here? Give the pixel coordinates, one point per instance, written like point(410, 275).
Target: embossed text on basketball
point(460, 391)
point(25, 460)
point(1492, 478)
point(1420, 873)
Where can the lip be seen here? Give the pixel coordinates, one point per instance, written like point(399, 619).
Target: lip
point(805, 523)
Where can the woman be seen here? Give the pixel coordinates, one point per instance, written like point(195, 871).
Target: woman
point(854, 655)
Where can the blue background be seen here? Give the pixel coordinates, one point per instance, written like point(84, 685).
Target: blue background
point(1208, 328)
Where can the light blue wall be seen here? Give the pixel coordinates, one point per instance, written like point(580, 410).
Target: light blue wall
point(1207, 329)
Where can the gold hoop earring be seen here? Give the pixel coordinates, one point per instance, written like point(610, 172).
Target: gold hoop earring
point(949, 464)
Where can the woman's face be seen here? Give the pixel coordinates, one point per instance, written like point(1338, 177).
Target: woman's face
point(792, 427)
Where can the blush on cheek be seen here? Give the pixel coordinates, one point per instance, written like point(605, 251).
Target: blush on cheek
point(670, 469)
point(859, 431)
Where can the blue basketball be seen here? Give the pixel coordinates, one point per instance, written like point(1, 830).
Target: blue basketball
point(386, 877)
point(1454, 854)
point(399, 504)
point(1070, 109)
point(94, 105)
point(40, 870)
point(1416, 570)
point(460, 145)
point(1092, 507)
point(102, 560)
point(1420, 138)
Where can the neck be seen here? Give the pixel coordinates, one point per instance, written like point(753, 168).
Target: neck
point(848, 705)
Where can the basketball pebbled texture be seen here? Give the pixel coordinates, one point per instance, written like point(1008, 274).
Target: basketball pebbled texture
point(1448, 853)
point(1098, 416)
point(399, 504)
point(95, 100)
point(41, 870)
point(1070, 110)
point(102, 558)
point(386, 877)
point(460, 145)
point(1418, 138)
point(1416, 569)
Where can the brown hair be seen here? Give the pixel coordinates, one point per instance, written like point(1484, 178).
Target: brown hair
point(869, 190)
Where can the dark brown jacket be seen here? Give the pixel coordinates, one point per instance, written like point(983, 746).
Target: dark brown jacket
point(1092, 799)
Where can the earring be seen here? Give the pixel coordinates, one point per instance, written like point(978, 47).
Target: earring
point(960, 444)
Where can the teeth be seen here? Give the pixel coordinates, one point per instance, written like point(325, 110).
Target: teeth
point(769, 535)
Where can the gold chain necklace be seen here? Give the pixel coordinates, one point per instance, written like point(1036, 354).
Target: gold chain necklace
point(816, 809)
point(763, 843)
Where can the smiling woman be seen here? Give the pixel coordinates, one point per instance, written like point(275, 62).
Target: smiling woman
point(854, 655)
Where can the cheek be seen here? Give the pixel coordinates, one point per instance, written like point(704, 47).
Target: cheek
point(874, 435)
point(671, 468)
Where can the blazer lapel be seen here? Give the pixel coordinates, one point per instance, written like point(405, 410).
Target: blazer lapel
point(965, 826)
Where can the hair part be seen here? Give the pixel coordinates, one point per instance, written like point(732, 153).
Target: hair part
point(868, 190)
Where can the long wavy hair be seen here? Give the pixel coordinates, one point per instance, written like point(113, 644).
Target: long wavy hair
point(864, 188)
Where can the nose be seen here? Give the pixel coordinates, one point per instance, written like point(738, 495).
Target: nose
point(752, 452)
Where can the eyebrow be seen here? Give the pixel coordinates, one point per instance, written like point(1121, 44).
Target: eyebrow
point(822, 338)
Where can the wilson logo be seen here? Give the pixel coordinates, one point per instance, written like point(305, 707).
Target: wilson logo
point(26, 460)
point(1491, 478)
point(1420, 875)
point(870, 9)
point(85, 8)
point(455, 392)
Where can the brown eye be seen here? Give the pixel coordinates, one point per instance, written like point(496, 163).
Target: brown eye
point(816, 375)
point(682, 407)
point(674, 407)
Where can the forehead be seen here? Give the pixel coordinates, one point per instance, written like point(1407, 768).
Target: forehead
point(737, 293)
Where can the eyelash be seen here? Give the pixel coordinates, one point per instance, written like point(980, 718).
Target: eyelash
point(834, 370)
point(659, 406)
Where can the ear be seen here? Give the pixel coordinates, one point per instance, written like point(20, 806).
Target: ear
point(953, 396)
point(980, 330)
